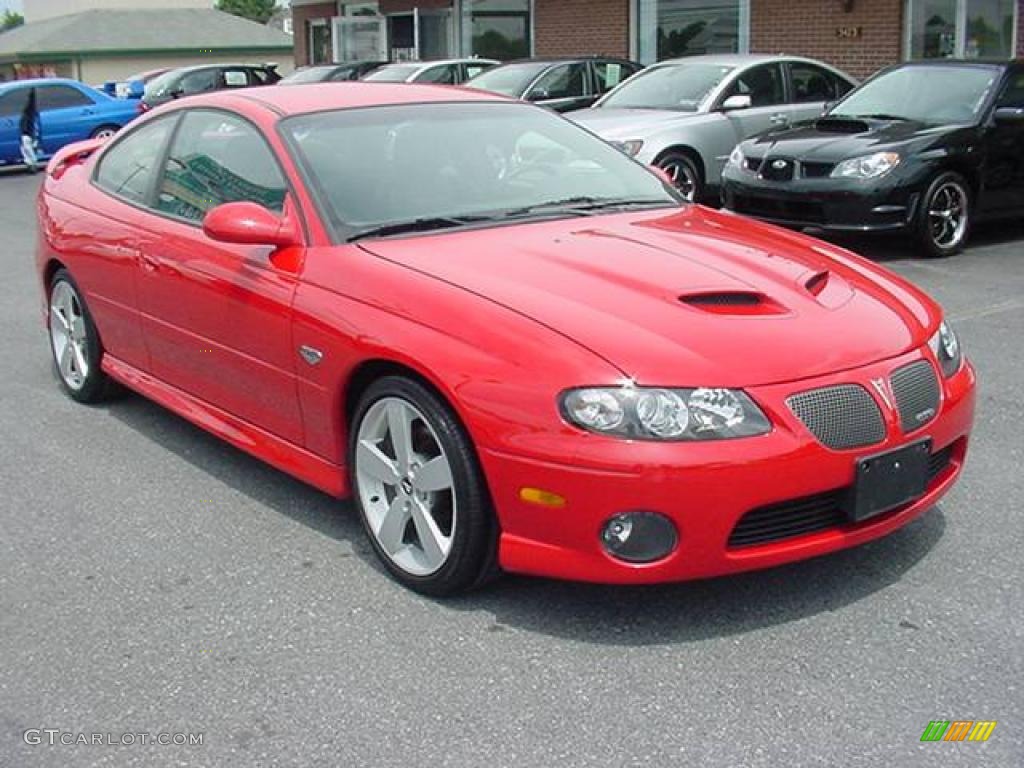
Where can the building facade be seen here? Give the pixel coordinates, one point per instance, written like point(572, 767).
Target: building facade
point(859, 36)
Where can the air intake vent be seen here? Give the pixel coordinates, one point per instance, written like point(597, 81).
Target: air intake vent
point(723, 299)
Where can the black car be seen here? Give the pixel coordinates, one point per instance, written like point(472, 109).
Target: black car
point(330, 73)
point(925, 148)
point(206, 77)
point(560, 84)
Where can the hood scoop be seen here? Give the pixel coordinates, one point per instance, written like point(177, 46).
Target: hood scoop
point(841, 125)
point(815, 284)
point(732, 303)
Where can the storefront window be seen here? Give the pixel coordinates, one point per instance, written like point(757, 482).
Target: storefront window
point(496, 29)
point(319, 42)
point(968, 29)
point(672, 28)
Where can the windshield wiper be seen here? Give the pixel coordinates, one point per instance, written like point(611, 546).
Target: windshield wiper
point(423, 224)
point(585, 205)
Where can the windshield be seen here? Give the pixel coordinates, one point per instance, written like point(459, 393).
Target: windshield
point(161, 86)
point(510, 80)
point(308, 75)
point(927, 94)
point(396, 73)
point(388, 165)
point(682, 87)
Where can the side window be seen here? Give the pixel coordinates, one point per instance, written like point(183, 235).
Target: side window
point(216, 158)
point(234, 78)
point(259, 76)
point(811, 83)
point(841, 86)
point(763, 84)
point(127, 168)
point(13, 102)
point(1013, 92)
point(198, 82)
point(60, 96)
point(443, 75)
point(610, 73)
point(565, 81)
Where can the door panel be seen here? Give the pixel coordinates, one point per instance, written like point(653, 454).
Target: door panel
point(11, 105)
point(765, 86)
point(1004, 154)
point(66, 115)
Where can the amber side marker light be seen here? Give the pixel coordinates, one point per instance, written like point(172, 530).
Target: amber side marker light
point(541, 497)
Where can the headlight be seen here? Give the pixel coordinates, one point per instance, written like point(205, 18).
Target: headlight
point(866, 167)
point(647, 413)
point(737, 159)
point(946, 347)
point(631, 147)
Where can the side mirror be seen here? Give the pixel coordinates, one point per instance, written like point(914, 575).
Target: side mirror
point(1009, 115)
point(250, 224)
point(737, 101)
point(538, 94)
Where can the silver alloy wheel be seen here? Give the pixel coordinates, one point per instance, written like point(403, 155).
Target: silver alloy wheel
point(404, 481)
point(106, 133)
point(947, 215)
point(682, 174)
point(67, 335)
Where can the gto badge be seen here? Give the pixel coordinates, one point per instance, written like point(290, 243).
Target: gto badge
point(311, 355)
point(883, 392)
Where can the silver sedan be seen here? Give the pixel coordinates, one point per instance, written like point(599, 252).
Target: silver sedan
point(686, 115)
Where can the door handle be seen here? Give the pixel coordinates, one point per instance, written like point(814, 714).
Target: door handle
point(778, 119)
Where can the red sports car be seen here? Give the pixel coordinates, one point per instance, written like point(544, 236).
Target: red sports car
point(512, 345)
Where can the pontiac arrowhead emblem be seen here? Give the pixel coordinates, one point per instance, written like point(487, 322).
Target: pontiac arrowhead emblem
point(881, 387)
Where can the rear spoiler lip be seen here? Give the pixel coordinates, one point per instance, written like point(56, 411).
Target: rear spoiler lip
point(71, 155)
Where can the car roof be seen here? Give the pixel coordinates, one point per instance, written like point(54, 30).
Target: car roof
point(39, 81)
point(986, 63)
point(424, 64)
point(302, 98)
point(220, 65)
point(564, 59)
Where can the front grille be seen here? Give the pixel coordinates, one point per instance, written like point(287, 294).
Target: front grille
point(816, 170)
point(776, 208)
point(811, 514)
point(784, 172)
point(916, 389)
point(844, 416)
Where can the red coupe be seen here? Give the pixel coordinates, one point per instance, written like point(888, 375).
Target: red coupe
point(512, 345)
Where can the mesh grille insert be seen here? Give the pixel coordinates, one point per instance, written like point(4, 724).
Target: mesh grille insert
point(916, 388)
point(844, 416)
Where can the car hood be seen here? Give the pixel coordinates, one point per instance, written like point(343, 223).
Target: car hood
point(833, 140)
point(685, 297)
point(628, 123)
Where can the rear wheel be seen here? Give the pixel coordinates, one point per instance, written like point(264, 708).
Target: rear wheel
point(419, 489)
point(104, 132)
point(685, 174)
point(944, 215)
point(75, 343)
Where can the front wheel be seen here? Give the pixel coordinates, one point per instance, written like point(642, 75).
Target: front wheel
point(419, 488)
point(683, 171)
point(944, 215)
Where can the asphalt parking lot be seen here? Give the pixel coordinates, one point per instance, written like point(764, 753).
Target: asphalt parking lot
point(154, 580)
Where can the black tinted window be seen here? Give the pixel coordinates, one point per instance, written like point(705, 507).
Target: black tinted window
point(1013, 92)
point(197, 82)
point(215, 159)
point(565, 81)
point(127, 168)
point(60, 96)
point(811, 83)
point(13, 102)
point(762, 84)
point(445, 75)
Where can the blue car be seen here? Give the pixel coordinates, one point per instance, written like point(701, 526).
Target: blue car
point(68, 110)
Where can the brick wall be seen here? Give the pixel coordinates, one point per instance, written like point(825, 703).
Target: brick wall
point(301, 15)
point(577, 27)
point(791, 26)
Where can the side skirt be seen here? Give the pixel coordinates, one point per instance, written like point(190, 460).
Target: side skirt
point(286, 456)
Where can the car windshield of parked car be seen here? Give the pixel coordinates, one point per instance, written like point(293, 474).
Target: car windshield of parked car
point(396, 73)
point(308, 75)
point(935, 95)
point(161, 86)
point(510, 80)
point(413, 167)
point(682, 87)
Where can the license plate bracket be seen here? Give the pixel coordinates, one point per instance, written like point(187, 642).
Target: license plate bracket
point(889, 480)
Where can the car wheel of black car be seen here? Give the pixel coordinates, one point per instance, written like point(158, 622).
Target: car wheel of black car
point(944, 216)
point(419, 489)
point(685, 175)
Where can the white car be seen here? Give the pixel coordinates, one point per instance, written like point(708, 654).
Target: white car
point(686, 115)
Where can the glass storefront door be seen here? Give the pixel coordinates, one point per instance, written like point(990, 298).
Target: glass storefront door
point(968, 29)
point(360, 38)
point(436, 35)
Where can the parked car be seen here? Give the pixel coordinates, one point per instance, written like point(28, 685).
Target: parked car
point(204, 78)
point(512, 345)
point(686, 115)
point(924, 148)
point(559, 84)
point(323, 73)
point(134, 86)
point(449, 72)
point(69, 111)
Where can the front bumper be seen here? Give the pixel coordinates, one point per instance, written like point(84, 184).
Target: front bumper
point(827, 204)
point(707, 488)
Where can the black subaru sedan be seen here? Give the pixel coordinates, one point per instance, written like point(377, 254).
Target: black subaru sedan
point(925, 148)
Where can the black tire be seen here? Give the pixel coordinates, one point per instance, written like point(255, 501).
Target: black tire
point(685, 173)
point(101, 129)
point(96, 386)
point(471, 559)
point(934, 237)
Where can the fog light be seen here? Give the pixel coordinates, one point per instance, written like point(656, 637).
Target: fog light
point(639, 537)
